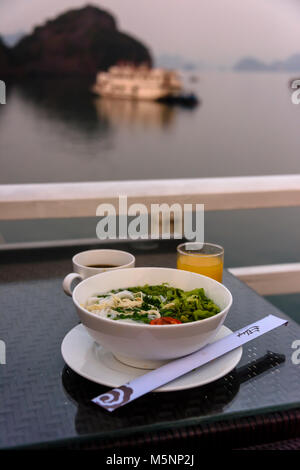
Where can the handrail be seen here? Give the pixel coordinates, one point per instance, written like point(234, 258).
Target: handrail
point(63, 200)
point(272, 279)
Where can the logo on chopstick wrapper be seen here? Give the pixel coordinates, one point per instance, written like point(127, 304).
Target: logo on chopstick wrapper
point(249, 331)
point(114, 398)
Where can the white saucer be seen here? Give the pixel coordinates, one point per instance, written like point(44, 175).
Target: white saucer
point(93, 362)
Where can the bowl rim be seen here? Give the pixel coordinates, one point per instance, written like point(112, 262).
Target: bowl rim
point(140, 325)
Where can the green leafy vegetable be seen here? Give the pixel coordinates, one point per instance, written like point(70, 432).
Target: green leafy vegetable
point(185, 306)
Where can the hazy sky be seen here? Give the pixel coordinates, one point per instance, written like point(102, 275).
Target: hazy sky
point(215, 31)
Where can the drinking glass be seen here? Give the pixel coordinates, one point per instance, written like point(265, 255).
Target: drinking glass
point(201, 258)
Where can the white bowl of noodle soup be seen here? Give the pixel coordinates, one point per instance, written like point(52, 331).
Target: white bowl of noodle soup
point(143, 345)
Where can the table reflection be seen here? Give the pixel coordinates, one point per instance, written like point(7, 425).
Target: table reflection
point(153, 408)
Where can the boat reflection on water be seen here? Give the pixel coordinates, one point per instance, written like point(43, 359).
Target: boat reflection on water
point(131, 113)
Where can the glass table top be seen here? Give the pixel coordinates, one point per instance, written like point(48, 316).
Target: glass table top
point(44, 401)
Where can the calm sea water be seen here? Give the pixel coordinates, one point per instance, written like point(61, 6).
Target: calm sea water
point(246, 124)
point(54, 131)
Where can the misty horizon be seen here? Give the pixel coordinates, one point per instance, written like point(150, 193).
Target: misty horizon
point(211, 33)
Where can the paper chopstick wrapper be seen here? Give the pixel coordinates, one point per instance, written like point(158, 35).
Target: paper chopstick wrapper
point(151, 380)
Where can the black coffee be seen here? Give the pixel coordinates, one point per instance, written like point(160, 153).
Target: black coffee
point(101, 266)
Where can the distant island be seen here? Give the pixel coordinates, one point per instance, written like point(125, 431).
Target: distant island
point(172, 61)
point(291, 64)
point(78, 42)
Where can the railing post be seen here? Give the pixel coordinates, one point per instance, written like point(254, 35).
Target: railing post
point(2, 92)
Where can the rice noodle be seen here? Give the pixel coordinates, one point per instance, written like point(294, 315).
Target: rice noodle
point(104, 306)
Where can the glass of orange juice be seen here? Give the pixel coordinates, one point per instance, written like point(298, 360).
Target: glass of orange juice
point(201, 258)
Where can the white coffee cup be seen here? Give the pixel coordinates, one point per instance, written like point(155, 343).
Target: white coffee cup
point(84, 262)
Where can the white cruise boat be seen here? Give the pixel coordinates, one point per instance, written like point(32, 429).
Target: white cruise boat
point(137, 83)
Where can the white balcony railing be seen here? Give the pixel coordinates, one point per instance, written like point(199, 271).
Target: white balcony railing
point(34, 201)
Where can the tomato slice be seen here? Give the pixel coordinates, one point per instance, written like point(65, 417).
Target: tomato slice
point(165, 321)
